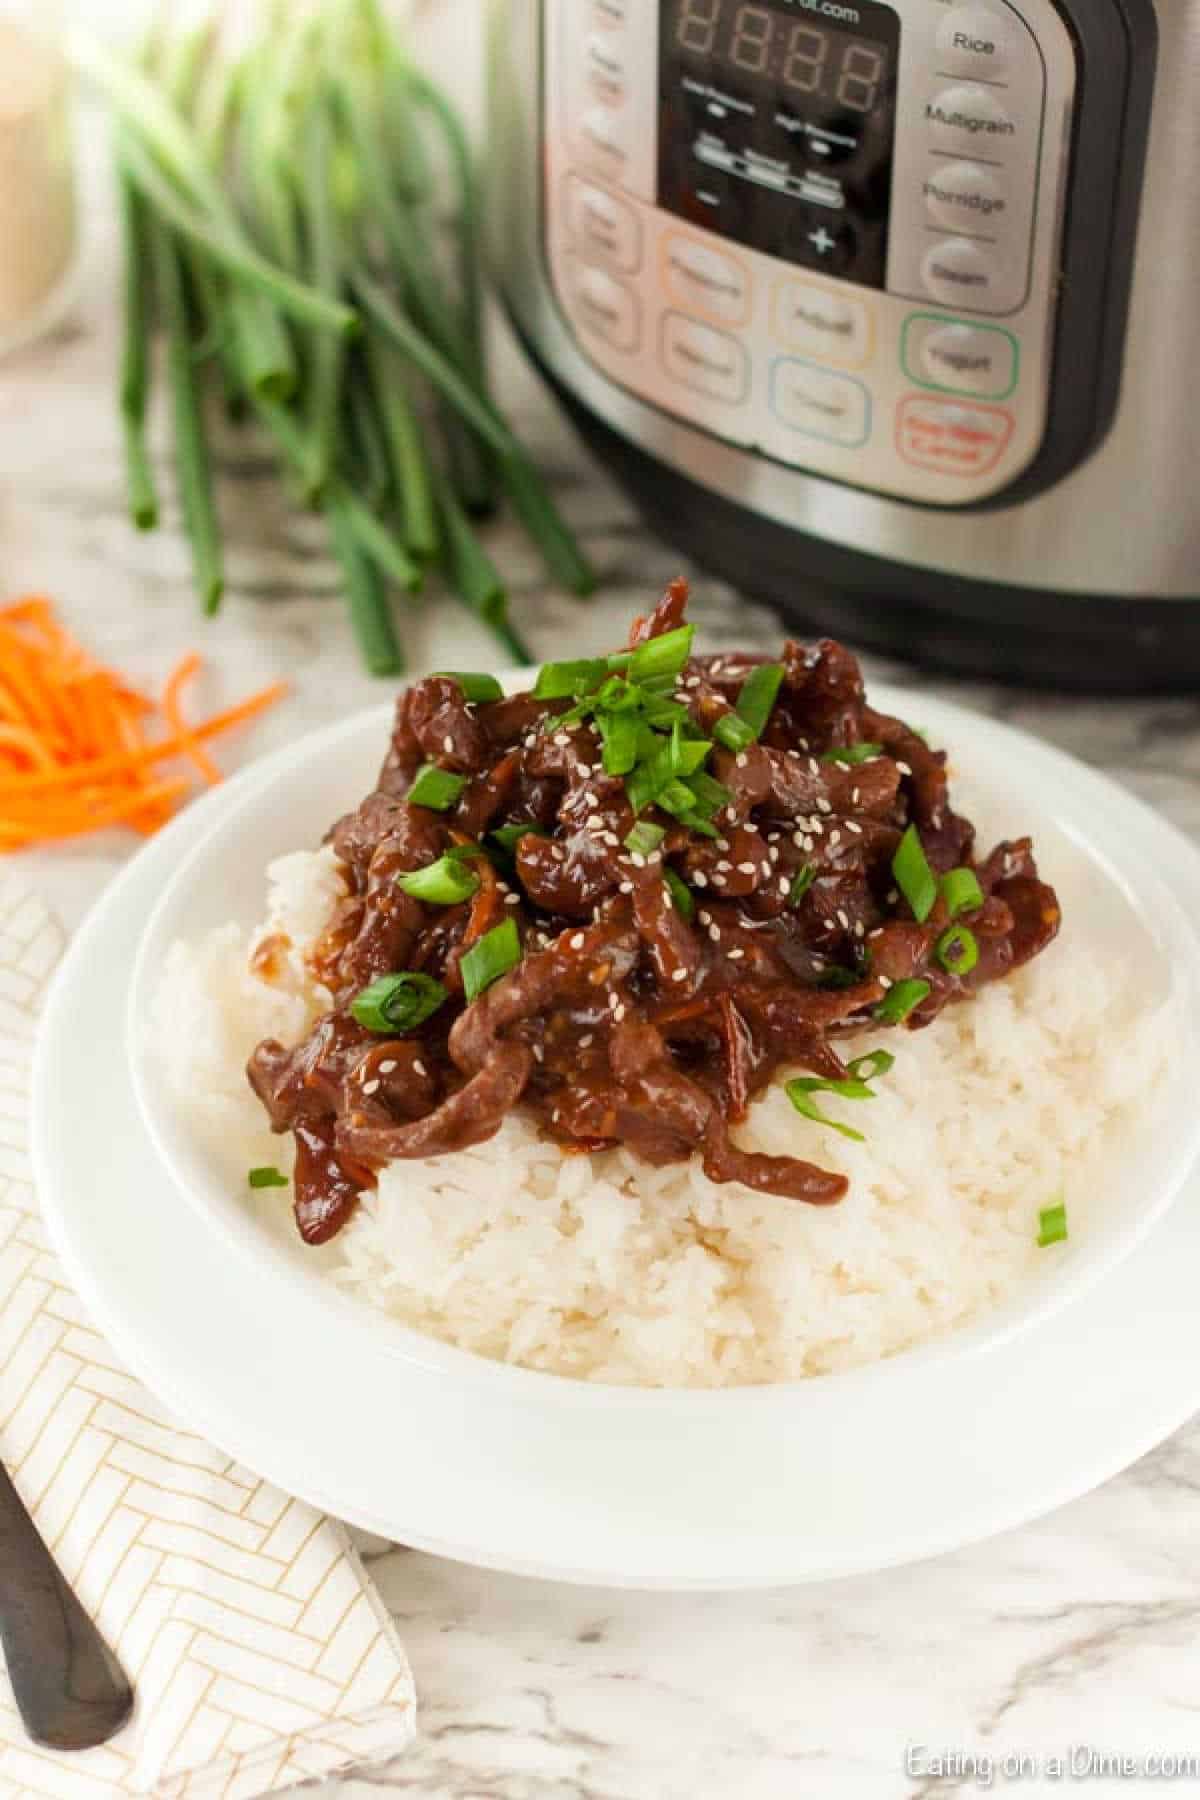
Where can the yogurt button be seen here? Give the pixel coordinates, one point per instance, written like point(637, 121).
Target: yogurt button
point(971, 359)
point(974, 40)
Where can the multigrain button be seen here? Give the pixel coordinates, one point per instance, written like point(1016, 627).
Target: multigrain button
point(829, 327)
point(703, 358)
point(705, 280)
point(974, 40)
point(605, 306)
point(603, 226)
point(960, 272)
point(969, 118)
point(820, 404)
point(950, 436)
point(980, 360)
point(964, 194)
point(606, 68)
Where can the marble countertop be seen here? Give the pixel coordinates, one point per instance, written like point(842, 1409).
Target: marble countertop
point(1084, 1627)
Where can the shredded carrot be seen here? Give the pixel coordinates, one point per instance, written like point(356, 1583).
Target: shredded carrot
point(77, 743)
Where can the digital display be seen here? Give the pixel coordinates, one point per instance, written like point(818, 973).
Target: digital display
point(776, 126)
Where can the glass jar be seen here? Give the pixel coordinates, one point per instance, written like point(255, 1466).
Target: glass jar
point(38, 215)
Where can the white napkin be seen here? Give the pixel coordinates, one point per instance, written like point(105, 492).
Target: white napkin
point(261, 1653)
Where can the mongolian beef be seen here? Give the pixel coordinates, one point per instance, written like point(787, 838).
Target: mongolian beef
point(624, 901)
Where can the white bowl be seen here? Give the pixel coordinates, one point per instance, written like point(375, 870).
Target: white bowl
point(1096, 843)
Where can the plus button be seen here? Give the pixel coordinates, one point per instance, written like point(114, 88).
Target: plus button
point(822, 240)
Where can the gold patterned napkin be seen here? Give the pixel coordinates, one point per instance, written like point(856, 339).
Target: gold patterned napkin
point(261, 1653)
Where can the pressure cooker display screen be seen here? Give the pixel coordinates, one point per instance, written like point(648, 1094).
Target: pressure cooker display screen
point(776, 126)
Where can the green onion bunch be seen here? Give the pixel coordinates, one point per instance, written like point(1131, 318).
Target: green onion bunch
point(301, 223)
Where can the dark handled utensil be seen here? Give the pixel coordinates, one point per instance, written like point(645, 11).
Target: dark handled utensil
point(69, 1687)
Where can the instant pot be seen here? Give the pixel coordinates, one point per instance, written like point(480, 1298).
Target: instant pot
point(886, 312)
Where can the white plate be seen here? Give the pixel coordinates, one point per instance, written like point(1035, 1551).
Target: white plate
point(787, 1484)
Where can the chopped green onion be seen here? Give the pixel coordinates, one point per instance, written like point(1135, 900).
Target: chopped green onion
point(398, 1003)
point(436, 788)
point(1052, 1224)
point(961, 892)
point(656, 663)
point(901, 998)
point(758, 695)
point(568, 680)
point(733, 733)
point(269, 1177)
point(479, 689)
point(665, 714)
point(618, 695)
point(445, 882)
point(682, 898)
point(619, 733)
point(509, 836)
point(496, 952)
point(645, 838)
point(710, 795)
point(871, 1066)
point(801, 884)
point(685, 755)
point(914, 877)
point(957, 950)
point(801, 1090)
point(676, 798)
point(853, 753)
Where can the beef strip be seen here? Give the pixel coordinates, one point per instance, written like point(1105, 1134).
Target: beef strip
point(625, 1021)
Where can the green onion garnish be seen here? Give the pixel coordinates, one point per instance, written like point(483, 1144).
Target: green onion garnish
point(445, 882)
point(1052, 1224)
point(914, 877)
point(686, 755)
point(961, 892)
point(801, 884)
point(618, 695)
point(656, 663)
point(957, 950)
point(872, 1065)
point(479, 689)
point(732, 733)
point(568, 680)
point(677, 799)
point(496, 952)
point(509, 836)
point(665, 714)
point(619, 733)
point(801, 1090)
point(436, 788)
point(682, 898)
point(268, 1177)
point(398, 1003)
point(645, 838)
point(709, 794)
point(901, 999)
point(853, 753)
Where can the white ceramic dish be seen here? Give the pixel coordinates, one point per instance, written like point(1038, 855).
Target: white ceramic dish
point(772, 1485)
point(1094, 841)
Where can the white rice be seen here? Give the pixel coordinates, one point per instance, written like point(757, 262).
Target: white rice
point(607, 1269)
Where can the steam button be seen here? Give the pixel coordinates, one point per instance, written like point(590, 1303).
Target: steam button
point(960, 272)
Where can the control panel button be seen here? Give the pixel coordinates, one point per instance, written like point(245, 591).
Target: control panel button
point(960, 272)
point(603, 226)
point(604, 305)
point(969, 118)
point(835, 408)
point(830, 327)
point(975, 40)
point(701, 357)
point(610, 14)
point(950, 436)
point(980, 360)
point(606, 68)
point(964, 195)
point(604, 137)
point(705, 280)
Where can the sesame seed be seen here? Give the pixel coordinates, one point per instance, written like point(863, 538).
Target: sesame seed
point(654, 858)
point(740, 760)
point(594, 820)
point(765, 867)
point(638, 860)
point(585, 1040)
point(538, 1053)
point(885, 981)
point(618, 1013)
point(626, 887)
point(679, 975)
point(807, 844)
point(531, 740)
point(724, 864)
point(611, 839)
point(859, 928)
point(835, 837)
point(814, 767)
point(904, 768)
point(699, 879)
point(419, 1066)
point(843, 919)
point(735, 955)
point(798, 839)
point(893, 895)
point(747, 868)
point(718, 881)
point(731, 814)
point(856, 829)
point(785, 886)
point(714, 932)
point(613, 1002)
point(854, 793)
point(722, 843)
point(576, 942)
point(823, 805)
point(386, 1068)
point(512, 900)
point(370, 1087)
point(705, 918)
point(773, 854)
point(562, 738)
point(585, 769)
point(448, 744)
